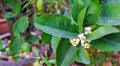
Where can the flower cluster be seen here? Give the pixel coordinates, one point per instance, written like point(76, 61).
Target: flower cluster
point(82, 38)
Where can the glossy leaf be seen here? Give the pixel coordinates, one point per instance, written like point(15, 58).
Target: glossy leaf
point(83, 56)
point(20, 25)
point(55, 41)
point(102, 31)
point(110, 14)
point(108, 43)
point(65, 53)
point(32, 39)
point(57, 25)
point(80, 19)
point(15, 45)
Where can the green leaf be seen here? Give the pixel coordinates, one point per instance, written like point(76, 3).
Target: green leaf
point(9, 15)
point(32, 39)
point(78, 6)
point(93, 12)
point(46, 38)
point(39, 4)
point(80, 19)
point(102, 31)
point(65, 53)
point(55, 41)
point(72, 1)
point(83, 56)
point(57, 25)
point(108, 43)
point(46, 61)
point(1, 45)
point(26, 47)
point(20, 25)
point(16, 7)
point(110, 14)
point(15, 45)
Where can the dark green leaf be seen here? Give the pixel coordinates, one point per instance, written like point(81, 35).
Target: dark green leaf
point(57, 25)
point(65, 53)
point(102, 31)
point(55, 41)
point(46, 38)
point(108, 43)
point(83, 56)
point(80, 19)
point(15, 45)
point(20, 26)
point(32, 39)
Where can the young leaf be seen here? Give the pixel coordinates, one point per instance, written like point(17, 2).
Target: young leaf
point(39, 4)
point(32, 39)
point(108, 43)
point(15, 45)
point(80, 19)
point(46, 38)
point(20, 25)
point(65, 53)
point(83, 56)
point(110, 14)
point(102, 31)
point(55, 41)
point(57, 25)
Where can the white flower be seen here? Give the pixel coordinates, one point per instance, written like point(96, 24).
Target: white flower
point(82, 36)
point(88, 29)
point(74, 41)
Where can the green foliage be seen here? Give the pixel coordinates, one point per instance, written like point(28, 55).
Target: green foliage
point(15, 45)
point(56, 25)
point(1, 45)
point(58, 29)
point(20, 25)
point(102, 31)
point(55, 41)
point(83, 56)
point(16, 7)
point(26, 47)
point(32, 39)
point(108, 43)
point(110, 14)
point(9, 15)
point(65, 53)
point(46, 38)
point(80, 19)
